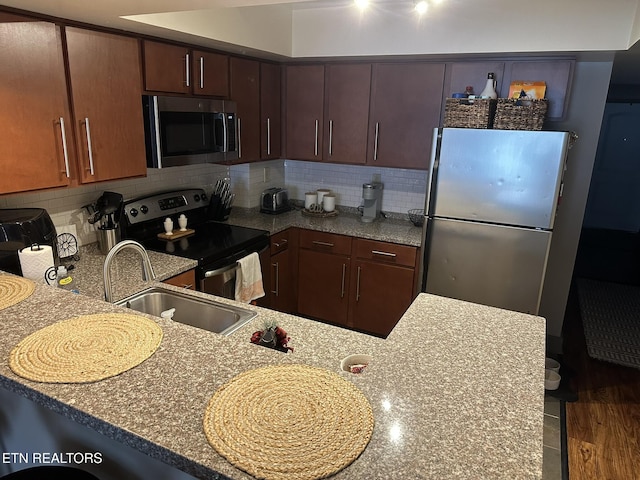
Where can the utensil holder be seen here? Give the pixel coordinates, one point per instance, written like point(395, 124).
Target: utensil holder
point(108, 238)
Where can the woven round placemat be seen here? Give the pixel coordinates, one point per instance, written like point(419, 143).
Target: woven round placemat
point(289, 422)
point(14, 289)
point(86, 349)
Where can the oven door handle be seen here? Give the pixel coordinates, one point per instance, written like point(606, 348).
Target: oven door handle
point(220, 271)
point(230, 266)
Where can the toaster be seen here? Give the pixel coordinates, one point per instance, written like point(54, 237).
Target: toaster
point(274, 200)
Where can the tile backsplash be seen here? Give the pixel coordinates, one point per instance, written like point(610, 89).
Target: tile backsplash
point(403, 189)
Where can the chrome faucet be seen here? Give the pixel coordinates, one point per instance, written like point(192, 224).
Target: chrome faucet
point(147, 270)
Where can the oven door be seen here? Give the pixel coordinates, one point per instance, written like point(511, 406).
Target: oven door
point(221, 281)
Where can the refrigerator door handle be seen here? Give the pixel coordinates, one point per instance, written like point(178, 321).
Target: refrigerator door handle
point(433, 160)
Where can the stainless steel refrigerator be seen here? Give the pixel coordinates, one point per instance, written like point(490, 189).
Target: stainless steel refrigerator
point(490, 209)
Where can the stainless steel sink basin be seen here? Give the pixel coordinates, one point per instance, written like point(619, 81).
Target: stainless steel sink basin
point(195, 311)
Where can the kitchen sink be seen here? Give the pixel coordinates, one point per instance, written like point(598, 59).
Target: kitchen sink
point(190, 310)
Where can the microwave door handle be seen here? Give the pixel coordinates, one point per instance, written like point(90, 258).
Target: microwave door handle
point(239, 140)
point(225, 134)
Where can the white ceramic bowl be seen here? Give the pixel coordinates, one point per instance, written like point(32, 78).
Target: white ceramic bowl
point(357, 359)
point(551, 380)
point(551, 364)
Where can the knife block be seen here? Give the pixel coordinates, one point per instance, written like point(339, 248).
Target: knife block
point(216, 210)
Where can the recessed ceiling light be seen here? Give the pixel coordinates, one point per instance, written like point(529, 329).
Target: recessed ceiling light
point(421, 7)
point(361, 4)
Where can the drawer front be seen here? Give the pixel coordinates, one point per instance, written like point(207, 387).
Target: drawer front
point(280, 242)
point(325, 242)
point(386, 252)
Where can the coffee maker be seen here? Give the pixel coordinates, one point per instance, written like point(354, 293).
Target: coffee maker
point(372, 196)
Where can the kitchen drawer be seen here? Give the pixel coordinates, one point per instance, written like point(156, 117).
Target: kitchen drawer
point(280, 241)
point(185, 280)
point(386, 252)
point(325, 242)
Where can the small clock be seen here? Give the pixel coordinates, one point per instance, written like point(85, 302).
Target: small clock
point(68, 246)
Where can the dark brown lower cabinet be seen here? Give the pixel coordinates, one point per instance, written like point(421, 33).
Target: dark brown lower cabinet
point(355, 283)
point(380, 294)
point(323, 282)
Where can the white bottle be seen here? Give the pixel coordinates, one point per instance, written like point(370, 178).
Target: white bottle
point(64, 280)
point(490, 88)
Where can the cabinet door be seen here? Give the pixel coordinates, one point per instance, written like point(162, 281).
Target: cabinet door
point(210, 74)
point(304, 105)
point(185, 280)
point(323, 282)
point(346, 120)
point(283, 289)
point(105, 78)
point(34, 106)
point(166, 68)
point(380, 294)
point(405, 108)
point(245, 91)
point(270, 108)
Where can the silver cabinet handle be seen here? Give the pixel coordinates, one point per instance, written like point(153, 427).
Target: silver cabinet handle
point(386, 254)
point(375, 143)
point(186, 69)
point(330, 137)
point(344, 273)
point(358, 286)
point(89, 148)
point(201, 72)
point(65, 152)
point(315, 150)
point(277, 271)
point(239, 139)
point(268, 136)
point(284, 242)
point(323, 244)
point(187, 286)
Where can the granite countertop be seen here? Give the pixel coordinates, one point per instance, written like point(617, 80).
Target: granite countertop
point(457, 389)
point(391, 229)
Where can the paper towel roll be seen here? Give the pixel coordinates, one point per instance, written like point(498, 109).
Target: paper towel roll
point(34, 261)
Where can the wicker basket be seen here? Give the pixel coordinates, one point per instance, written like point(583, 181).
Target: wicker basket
point(513, 114)
point(466, 113)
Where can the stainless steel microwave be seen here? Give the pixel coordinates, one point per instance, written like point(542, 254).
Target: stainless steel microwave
point(188, 131)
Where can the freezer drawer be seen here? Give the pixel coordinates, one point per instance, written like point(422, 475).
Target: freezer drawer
point(500, 176)
point(492, 265)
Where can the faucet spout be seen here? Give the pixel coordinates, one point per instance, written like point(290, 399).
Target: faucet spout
point(147, 269)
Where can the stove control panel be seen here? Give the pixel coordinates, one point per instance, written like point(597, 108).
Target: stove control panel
point(144, 209)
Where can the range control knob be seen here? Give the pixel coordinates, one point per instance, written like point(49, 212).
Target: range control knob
point(196, 197)
point(133, 212)
point(204, 197)
point(144, 209)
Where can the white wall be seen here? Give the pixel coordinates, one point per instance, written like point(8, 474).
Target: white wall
point(403, 189)
point(65, 205)
point(391, 28)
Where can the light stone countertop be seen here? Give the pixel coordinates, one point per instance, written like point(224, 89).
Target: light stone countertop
point(457, 389)
point(347, 222)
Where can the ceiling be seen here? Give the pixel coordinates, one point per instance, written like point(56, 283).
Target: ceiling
point(131, 15)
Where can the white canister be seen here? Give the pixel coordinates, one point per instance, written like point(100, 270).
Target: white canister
point(329, 202)
point(310, 198)
point(321, 193)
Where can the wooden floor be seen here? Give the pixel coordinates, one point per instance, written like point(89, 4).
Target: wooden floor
point(603, 426)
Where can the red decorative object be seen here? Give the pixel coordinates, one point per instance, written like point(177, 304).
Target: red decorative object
point(282, 339)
